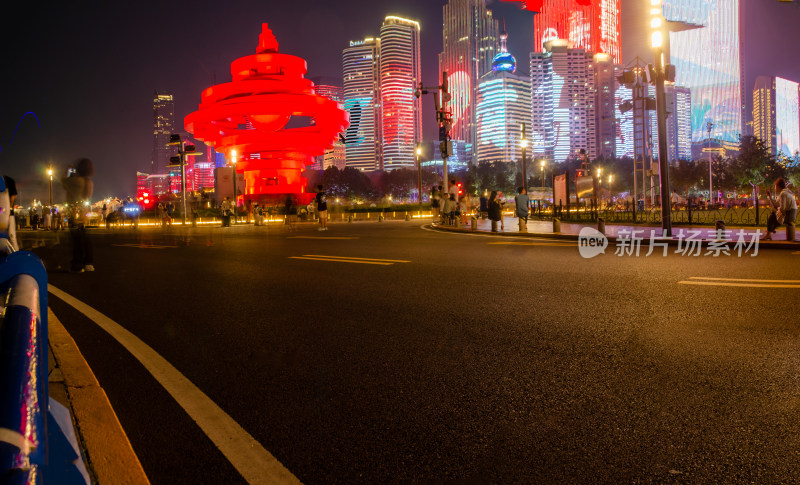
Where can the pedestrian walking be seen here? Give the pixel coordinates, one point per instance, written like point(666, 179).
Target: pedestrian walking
point(522, 205)
point(463, 208)
point(784, 211)
point(77, 183)
point(322, 208)
point(453, 189)
point(225, 210)
point(290, 209)
point(495, 210)
point(170, 211)
point(483, 206)
point(104, 211)
point(435, 202)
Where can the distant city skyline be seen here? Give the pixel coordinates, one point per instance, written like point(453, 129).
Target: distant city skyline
point(70, 64)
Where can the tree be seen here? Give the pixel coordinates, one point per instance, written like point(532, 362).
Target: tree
point(754, 164)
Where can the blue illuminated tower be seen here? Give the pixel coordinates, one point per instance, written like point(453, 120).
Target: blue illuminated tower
point(503, 104)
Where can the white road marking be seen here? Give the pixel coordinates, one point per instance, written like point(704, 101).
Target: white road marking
point(340, 260)
point(256, 464)
point(321, 237)
point(536, 238)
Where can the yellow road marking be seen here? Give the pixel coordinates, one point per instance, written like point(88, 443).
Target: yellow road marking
point(143, 246)
point(340, 260)
point(796, 252)
point(744, 280)
point(360, 259)
point(248, 456)
point(741, 285)
point(520, 243)
point(313, 237)
point(741, 282)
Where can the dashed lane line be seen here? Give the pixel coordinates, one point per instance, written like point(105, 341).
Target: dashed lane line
point(251, 460)
point(349, 259)
point(342, 238)
point(143, 246)
point(526, 243)
point(741, 282)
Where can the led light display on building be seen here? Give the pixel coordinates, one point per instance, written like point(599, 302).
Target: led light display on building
point(471, 41)
point(250, 116)
point(503, 105)
point(787, 117)
point(594, 26)
point(360, 67)
point(708, 61)
point(563, 102)
point(400, 72)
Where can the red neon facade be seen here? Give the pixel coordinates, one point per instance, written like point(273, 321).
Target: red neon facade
point(595, 26)
point(249, 117)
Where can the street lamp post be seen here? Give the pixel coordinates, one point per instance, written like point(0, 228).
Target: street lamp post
point(50, 174)
point(600, 182)
point(235, 197)
point(709, 126)
point(524, 144)
point(657, 36)
point(419, 179)
point(610, 179)
point(542, 164)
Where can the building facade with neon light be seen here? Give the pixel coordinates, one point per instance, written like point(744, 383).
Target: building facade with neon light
point(400, 73)
point(471, 41)
point(595, 27)
point(709, 61)
point(563, 102)
point(362, 101)
point(776, 115)
point(503, 104)
point(163, 127)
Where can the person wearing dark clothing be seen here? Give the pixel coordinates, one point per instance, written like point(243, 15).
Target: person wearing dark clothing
point(77, 183)
point(495, 210)
point(484, 206)
point(322, 208)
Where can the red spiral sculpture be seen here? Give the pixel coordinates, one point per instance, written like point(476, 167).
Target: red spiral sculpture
point(250, 115)
point(536, 5)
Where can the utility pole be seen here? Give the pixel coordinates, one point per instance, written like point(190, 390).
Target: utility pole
point(709, 126)
point(419, 178)
point(183, 152)
point(660, 74)
point(444, 119)
point(524, 144)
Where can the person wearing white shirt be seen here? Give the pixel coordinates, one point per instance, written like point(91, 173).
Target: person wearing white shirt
point(784, 211)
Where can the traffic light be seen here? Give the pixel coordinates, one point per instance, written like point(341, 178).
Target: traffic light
point(445, 88)
point(460, 189)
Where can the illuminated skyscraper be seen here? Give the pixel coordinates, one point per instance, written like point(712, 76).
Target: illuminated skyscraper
point(605, 84)
point(503, 104)
point(470, 44)
point(776, 115)
point(400, 74)
point(330, 88)
point(163, 127)
point(679, 124)
point(594, 27)
point(709, 62)
point(764, 111)
point(361, 67)
point(563, 101)
point(624, 126)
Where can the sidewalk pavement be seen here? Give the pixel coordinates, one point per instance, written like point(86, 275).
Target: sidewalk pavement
point(105, 448)
point(571, 231)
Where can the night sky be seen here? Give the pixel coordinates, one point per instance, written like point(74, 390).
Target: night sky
point(88, 69)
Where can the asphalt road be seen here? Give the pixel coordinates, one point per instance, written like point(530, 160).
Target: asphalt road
point(469, 361)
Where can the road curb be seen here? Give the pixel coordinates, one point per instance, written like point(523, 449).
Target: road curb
point(612, 240)
point(110, 455)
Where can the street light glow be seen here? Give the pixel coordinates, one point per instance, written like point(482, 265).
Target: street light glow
point(655, 40)
point(523, 143)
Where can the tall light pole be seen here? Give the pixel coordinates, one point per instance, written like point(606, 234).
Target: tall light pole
point(542, 164)
point(524, 144)
point(50, 174)
point(419, 178)
point(709, 126)
point(235, 197)
point(657, 24)
point(610, 179)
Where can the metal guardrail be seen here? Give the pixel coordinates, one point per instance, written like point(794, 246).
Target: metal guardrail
point(37, 443)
